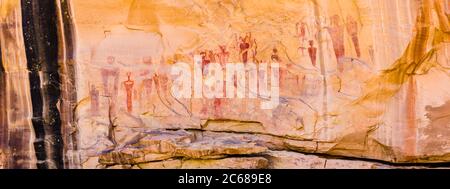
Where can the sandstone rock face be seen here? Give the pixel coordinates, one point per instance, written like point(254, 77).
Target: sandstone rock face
point(227, 163)
point(355, 97)
point(15, 123)
point(157, 146)
point(326, 84)
point(238, 151)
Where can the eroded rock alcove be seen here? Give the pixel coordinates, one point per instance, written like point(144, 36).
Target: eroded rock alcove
point(362, 84)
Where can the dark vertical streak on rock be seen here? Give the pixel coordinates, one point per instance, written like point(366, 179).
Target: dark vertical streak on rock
point(34, 68)
point(39, 20)
point(3, 116)
point(2, 69)
point(69, 95)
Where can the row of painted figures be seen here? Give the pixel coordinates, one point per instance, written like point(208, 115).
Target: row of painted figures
point(247, 49)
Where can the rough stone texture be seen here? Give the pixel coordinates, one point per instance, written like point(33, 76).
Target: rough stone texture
point(161, 145)
point(345, 105)
point(92, 163)
point(15, 122)
point(202, 151)
point(227, 163)
point(292, 160)
point(362, 80)
point(2, 160)
point(131, 156)
point(168, 164)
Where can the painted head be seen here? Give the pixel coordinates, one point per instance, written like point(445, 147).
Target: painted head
point(203, 54)
point(110, 59)
point(275, 50)
point(335, 19)
point(147, 60)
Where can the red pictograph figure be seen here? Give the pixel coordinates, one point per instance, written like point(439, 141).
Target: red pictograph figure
point(94, 101)
point(301, 32)
point(312, 52)
point(352, 29)
point(244, 47)
point(253, 48)
point(336, 31)
point(223, 55)
point(274, 57)
point(161, 82)
point(148, 81)
point(301, 29)
point(212, 56)
point(129, 89)
point(205, 60)
point(108, 72)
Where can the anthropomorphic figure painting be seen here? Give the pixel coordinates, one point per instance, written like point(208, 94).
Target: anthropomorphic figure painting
point(211, 56)
point(244, 47)
point(312, 51)
point(274, 57)
point(147, 82)
point(205, 60)
point(352, 29)
point(129, 90)
point(162, 82)
point(110, 73)
point(94, 93)
point(161, 78)
point(301, 33)
point(254, 49)
point(336, 31)
point(223, 55)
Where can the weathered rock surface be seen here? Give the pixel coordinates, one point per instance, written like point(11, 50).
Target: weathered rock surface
point(342, 89)
point(2, 160)
point(160, 145)
point(292, 160)
point(227, 163)
point(131, 156)
point(165, 149)
point(168, 164)
point(344, 104)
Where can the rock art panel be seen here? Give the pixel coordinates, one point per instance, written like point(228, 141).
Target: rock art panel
point(341, 79)
point(226, 84)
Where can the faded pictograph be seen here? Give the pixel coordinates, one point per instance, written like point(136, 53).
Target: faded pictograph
point(287, 72)
point(140, 83)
